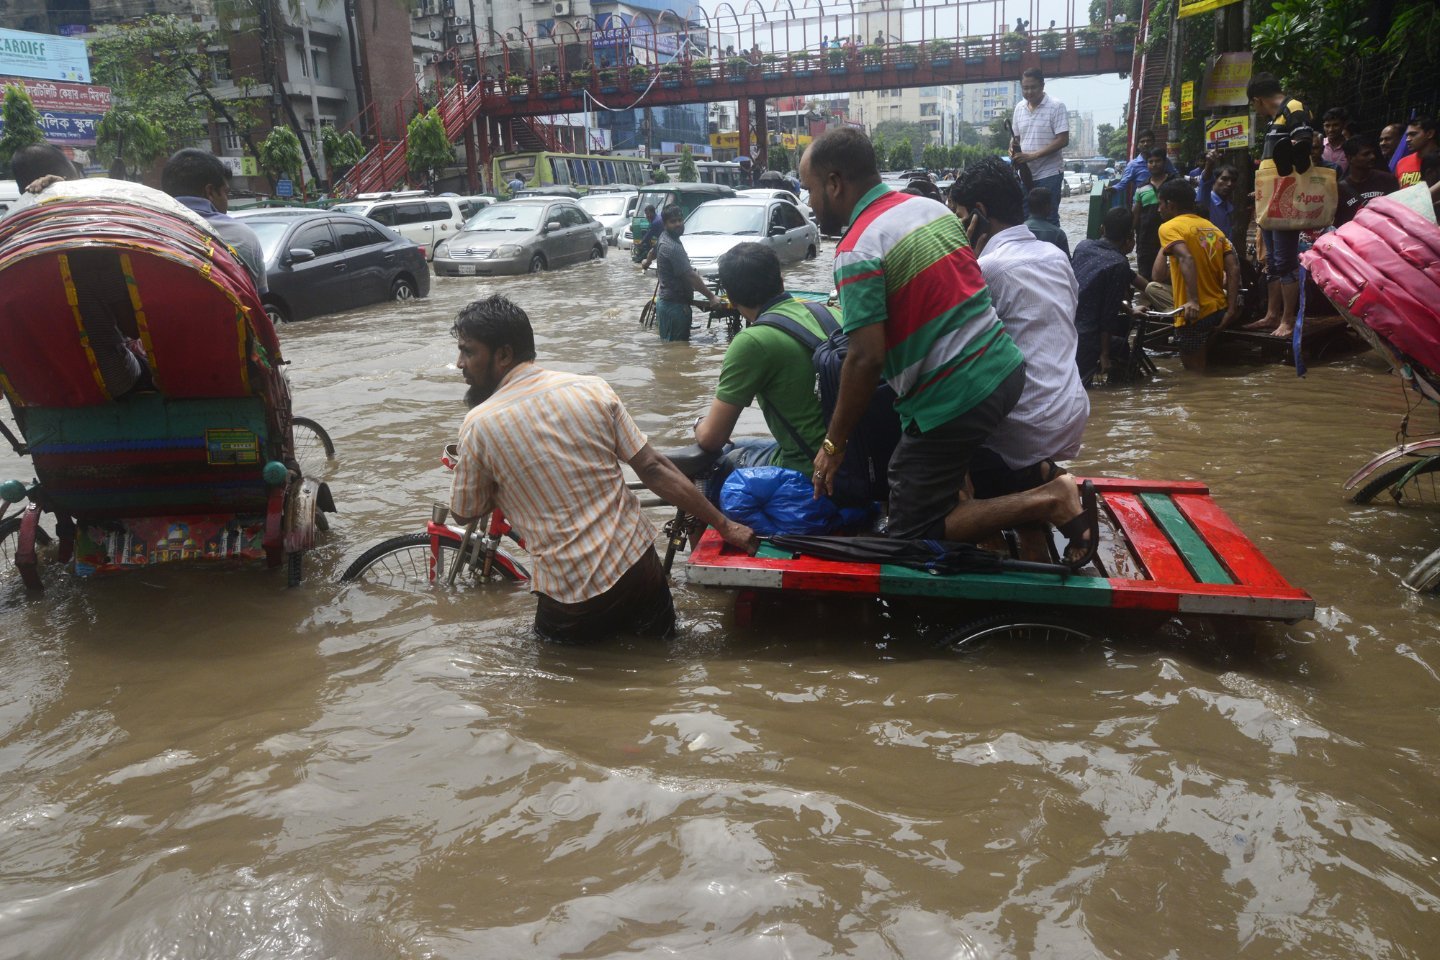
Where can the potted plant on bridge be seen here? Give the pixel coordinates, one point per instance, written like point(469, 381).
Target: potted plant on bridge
point(939, 53)
point(1013, 45)
point(516, 84)
point(1125, 37)
point(638, 75)
point(800, 63)
point(607, 81)
point(905, 57)
point(738, 67)
point(976, 49)
point(874, 57)
point(836, 56)
point(700, 72)
point(670, 75)
point(1087, 38)
point(1050, 45)
point(773, 70)
point(579, 79)
point(549, 84)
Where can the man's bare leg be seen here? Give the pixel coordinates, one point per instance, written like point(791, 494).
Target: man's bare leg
point(1053, 503)
point(1195, 359)
point(1290, 297)
point(1274, 309)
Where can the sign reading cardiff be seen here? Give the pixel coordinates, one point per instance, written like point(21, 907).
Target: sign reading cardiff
point(43, 56)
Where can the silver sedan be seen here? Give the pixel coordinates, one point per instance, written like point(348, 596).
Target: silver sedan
point(521, 236)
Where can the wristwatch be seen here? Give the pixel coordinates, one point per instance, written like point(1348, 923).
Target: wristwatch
point(829, 447)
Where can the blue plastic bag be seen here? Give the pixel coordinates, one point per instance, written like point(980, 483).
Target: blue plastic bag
point(774, 500)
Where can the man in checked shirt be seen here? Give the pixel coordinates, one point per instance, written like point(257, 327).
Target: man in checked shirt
point(547, 448)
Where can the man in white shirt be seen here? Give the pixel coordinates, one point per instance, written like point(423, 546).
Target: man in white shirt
point(1042, 131)
point(1033, 289)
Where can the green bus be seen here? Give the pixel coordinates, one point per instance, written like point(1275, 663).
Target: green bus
point(543, 168)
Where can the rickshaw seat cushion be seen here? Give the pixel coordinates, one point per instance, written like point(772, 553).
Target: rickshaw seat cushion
point(147, 455)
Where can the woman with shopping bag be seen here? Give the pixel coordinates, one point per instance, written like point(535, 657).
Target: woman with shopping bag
point(1291, 195)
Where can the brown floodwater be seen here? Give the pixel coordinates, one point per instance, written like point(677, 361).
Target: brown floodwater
point(198, 763)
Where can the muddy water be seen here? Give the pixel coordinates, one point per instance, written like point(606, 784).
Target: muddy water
point(196, 764)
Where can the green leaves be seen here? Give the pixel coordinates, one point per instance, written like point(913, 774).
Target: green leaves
point(22, 124)
point(688, 173)
point(280, 154)
point(134, 138)
point(428, 150)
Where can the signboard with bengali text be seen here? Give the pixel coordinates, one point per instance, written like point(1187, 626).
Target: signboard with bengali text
point(1187, 100)
point(69, 129)
point(43, 56)
point(1228, 133)
point(1226, 79)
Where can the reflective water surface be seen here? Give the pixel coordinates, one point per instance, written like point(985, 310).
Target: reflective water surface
point(202, 764)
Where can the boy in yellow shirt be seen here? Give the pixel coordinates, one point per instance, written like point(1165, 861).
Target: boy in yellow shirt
point(1204, 272)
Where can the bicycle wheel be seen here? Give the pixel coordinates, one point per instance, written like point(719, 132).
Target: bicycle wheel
point(647, 316)
point(1397, 480)
point(10, 539)
point(1010, 628)
point(313, 446)
point(403, 562)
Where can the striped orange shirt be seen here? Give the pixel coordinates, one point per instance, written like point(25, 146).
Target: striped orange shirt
point(547, 449)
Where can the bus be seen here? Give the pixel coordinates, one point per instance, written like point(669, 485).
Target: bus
point(724, 172)
point(543, 168)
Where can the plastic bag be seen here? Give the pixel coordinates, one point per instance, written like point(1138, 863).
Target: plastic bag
point(774, 501)
point(1301, 201)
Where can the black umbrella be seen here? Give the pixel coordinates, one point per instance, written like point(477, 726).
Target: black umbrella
point(934, 556)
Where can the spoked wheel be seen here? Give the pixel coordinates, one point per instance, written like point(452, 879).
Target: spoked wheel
point(1010, 628)
point(10, 539)
point(404, 562)
point(1410, 482)
point(647, 316)
point(313, 446)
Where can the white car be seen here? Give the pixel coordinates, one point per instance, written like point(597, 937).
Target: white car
point(9, 194)
point(772, 194)
point(717, 225)
point(1076, 185)
point(424, 219)
point(613, 210)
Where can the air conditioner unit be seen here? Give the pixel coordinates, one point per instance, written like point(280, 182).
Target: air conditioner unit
point(435, 34)
point(562, 8)
point(462, 21)
point(462, 38)
point(435, 58)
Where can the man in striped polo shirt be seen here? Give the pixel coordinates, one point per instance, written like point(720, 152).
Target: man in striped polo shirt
point(547, 448)
point(916, 309)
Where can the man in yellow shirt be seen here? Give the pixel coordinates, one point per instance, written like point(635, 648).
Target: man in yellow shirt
point(1204, 273)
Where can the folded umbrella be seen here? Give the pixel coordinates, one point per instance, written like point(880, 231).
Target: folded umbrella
point(933, 556)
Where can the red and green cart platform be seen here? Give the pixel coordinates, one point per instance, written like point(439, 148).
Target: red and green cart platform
point(1165, 548)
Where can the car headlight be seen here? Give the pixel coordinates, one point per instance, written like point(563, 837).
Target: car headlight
point(506, 250)
point(442, 248)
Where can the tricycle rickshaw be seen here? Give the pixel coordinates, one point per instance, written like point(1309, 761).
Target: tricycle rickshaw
point(147, 384)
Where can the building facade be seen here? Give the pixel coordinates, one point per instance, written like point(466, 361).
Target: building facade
point(981, 103)
point(937, 109)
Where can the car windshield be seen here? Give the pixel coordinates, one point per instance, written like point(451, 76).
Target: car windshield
point(655, 198)
point(520, 217)
point(359, 208)
point(603, 206)
point(270, 232)
point(716, 218)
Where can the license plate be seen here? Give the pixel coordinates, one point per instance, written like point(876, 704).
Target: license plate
point(465, 269)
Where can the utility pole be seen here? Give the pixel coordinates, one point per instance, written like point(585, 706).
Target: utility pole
point(1172, 137)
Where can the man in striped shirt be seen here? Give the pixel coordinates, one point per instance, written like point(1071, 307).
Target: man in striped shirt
point(916, 308)
point(547, 448)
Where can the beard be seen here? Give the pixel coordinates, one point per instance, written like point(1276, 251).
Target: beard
point(830, 221)
point(483, 387)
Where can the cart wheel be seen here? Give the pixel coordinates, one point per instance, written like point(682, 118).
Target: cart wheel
point(294, 569)
point(10, 538)
point(403, 562)
point(1404, 486)
point(1424, 577)
point(313, 446)
point(647, 316)
point(1010, 627)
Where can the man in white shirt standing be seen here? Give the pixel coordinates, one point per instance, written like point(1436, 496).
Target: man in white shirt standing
point(1042, 131)
point(1033, 289)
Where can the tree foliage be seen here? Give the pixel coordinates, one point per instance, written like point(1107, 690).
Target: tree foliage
point(341, 149)
point(22, 124)
point(428, 150)
point(934, 157)
point(135, 140)
point(689, 173)
point(1308, 43)
point(780, 158)
point(902, 155)
point(280, 154)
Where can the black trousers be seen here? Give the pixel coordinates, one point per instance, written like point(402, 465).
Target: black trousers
point(639, 603)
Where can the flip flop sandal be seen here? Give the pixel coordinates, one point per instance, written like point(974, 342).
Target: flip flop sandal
point(1075, 529)
point(1284, 164)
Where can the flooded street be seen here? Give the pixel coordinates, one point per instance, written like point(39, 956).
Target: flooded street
point(201, 764)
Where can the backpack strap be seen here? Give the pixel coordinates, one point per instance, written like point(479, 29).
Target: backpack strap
point(791, 326)
point(807, 340)
point(823, 316)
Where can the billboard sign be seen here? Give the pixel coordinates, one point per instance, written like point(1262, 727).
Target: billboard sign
point(1228, 133)
point(43, 56)
point(74, 97)
point(70, 129)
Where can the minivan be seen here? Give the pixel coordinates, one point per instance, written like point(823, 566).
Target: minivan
point(415, 216)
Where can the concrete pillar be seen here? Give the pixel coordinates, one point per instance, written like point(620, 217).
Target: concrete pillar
point(762, 134)
point(743, 125)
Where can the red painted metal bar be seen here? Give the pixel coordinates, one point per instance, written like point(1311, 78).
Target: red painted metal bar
point(1240, 556)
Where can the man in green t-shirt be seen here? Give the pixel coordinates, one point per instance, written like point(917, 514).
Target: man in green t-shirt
point(767, 364)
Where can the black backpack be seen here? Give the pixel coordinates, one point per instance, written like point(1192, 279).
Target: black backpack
point(865, 472)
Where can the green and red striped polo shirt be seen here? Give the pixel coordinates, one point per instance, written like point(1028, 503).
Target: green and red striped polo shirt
point(905, 262)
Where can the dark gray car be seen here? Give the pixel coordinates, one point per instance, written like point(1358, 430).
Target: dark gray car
point(526, 235)
point(326, 262)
